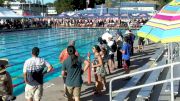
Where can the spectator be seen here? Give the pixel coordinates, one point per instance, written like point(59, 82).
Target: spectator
point(126, 54)
point(73, 67)
point(106, 36)
point(131, 38)
point(119, 41)
point(64, 54)
point(99, 70)
point(34, 70)
point(62, 57)
point(140, 44)
point(6, 87)
point(111, 43)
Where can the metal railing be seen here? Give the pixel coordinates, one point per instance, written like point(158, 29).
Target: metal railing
point(172, 79)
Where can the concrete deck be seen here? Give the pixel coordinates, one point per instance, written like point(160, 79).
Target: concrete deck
point(53, 90)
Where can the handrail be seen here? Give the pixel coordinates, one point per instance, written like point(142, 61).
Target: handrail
point(141, 86)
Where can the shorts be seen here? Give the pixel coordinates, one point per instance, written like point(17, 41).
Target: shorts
point(35, 92)
point(141, 42)
point(73, 92)
point(111, 56)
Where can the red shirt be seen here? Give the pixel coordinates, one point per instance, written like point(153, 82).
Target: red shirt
point(64, 55)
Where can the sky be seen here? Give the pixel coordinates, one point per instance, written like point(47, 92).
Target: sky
point(46, 1)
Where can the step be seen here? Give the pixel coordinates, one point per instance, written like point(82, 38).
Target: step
point(145, 92)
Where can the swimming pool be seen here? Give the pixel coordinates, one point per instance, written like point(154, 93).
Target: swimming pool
point(16, 46)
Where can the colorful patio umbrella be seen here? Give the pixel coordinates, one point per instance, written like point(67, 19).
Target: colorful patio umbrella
point(164, 27)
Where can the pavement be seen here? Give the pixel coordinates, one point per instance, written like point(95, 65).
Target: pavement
point(53, 90)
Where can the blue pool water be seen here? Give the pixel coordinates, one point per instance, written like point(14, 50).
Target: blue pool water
point(16, 46)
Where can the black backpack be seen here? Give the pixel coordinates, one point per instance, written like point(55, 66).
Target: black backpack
point(114, 47)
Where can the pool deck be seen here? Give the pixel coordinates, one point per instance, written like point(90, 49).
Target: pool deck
point(53, 90)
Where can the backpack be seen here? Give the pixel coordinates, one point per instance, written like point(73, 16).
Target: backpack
point(114, 47)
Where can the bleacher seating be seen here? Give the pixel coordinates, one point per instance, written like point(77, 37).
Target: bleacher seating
point(145, 92)
point(135, 79)
point(156, 56)
point(176, 83)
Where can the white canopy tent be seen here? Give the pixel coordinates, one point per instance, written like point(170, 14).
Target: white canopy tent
point(7, 13)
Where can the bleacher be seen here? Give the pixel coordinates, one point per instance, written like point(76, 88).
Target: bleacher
point(144, 94)
point(136, 79)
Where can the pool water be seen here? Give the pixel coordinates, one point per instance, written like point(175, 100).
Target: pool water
point(17, 46)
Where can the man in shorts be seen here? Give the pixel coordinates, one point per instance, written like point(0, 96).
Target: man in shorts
point(34, 70)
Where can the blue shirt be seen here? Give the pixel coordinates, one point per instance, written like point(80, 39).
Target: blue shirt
point(126, 48)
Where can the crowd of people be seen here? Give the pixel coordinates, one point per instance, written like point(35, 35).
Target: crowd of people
point(22, 24)
point(72, 67)
point(98, 22)
point(16, 24)
point(103, 61)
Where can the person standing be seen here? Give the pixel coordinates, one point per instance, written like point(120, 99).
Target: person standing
point(6, 87)
point(100, 70)
point(34, 70)
point(72, 68)
point(62, 57)
point(119, 41)
point(126, 55)
point(141, 44)
point(131, 38)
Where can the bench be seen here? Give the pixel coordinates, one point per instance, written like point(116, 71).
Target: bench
point(135, 79)
point(145, 92)
point(176, 83)
point(156, 56)
point(132, 82)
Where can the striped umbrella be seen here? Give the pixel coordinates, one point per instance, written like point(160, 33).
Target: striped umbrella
point(164, 27)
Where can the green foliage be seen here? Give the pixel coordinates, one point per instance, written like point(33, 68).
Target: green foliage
point(64, 5)
point(50, 4)
point(108, 3)
point(69, 5)
point(1, 2)
point(98, 2)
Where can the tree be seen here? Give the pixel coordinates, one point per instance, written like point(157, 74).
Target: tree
point(79, 4)
point(1, 2)
point(64, 5)
point(22, 1)
point(108, 3)
point(98, 2)
point(50, 4)
point(91, 3)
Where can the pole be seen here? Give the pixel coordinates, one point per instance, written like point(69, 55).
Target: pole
point(43, 8)
point(89, 70)
point(172, 82)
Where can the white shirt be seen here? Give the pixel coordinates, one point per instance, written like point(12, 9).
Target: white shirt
point(106, 36)
point(110, 43)
point(35, 63)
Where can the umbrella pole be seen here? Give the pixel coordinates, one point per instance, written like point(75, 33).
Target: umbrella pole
point(172, 82)
point(179, 49)
point(168, 53)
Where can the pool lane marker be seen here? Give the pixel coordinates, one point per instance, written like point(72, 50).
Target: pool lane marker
point(15, 85)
